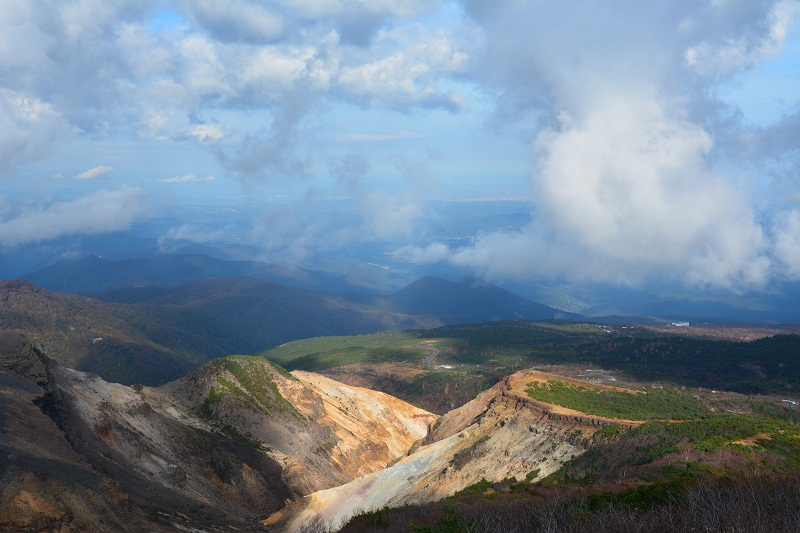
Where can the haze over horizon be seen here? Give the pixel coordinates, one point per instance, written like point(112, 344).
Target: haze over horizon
point(647, 142)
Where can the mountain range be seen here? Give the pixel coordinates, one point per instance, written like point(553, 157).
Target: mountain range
point(154, 334)
point(143, 421)
point(93, 275)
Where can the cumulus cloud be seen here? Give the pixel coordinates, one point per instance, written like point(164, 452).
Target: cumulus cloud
point(625, 188)
point(93, 173)
point(100, 69)
point(761, 39)
point(357, 21)
point(237, 20)
point(640, 170)
point(28, 127)
point(787, 244)
point(207, 133)
point(100, 212)
point(409, 75)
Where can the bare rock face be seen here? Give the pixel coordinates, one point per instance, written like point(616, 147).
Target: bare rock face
point(223, 447)
point(499, 435)
point(19, 356)
point(240, 443)
point(321, 432)
point(45, 484)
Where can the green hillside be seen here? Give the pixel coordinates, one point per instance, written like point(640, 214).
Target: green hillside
point(694, 464)
point(322, 353)
point(767, 365)
point(180, 328)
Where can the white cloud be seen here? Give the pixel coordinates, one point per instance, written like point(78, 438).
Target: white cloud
point(203, 75)
point(748, 49)
point(189, 178)
point(207, 133)
point(625, 185)
point(787, 244)
point(193, 233)
point(628, 187)
point(409, 75)
point(28, 126)
point(93, 173)
point(104, 68)
point(358, 21)
point(632, 146)
point(100, 212)
point(237, 20)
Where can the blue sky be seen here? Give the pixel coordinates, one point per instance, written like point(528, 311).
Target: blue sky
point(653, 139)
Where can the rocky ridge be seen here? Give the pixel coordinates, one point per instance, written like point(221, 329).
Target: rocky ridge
point(214, 450)
point(240, 439)
point(501, 434)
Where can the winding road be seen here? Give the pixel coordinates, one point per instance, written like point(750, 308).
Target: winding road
point(427, 361)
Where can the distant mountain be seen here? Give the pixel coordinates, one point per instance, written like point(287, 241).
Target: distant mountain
point(244, 315)
point(153, 334)
point(109, 339)
point(776, 307)
point(93, 275)
point(171, 330)
point(469, 300)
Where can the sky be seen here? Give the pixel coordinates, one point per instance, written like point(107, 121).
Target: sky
point(653, 140)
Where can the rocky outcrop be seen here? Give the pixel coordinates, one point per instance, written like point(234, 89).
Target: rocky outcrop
point(498, 435)
point(49, 483)
point(323, 433)
point(230, 443)
point(240, 439)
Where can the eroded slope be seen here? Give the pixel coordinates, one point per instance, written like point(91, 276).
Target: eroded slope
point(501, 434)
point(229, 443)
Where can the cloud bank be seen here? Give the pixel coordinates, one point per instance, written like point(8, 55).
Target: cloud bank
point(640, 169)
point(628, 185)
point(99, 212)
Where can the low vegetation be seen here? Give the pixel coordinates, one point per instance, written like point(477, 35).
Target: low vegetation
point(651, 404)
point(250, 381)
point(766, 365)
point(692, 464)
point(321, 353)
point(688, 503)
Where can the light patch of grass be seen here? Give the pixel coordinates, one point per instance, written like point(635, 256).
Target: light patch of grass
point(320, 353)
point(652, 404)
